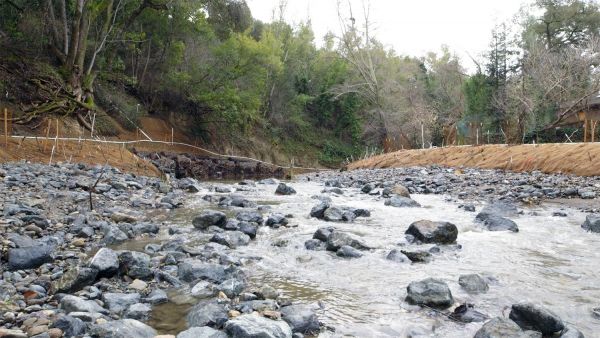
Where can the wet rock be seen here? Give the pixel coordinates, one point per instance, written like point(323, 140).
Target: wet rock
point(8, 333)
point(433, 232)
point(301, 318)
point(21, 241)
point(29, 257)
point(347, 251)
point(106, 262)
point(248, 228)
point(497, 209)
point(250, 216)
point(284, 189)
point(367, 188)
point(70, 326)
point(119, 302)
point(396, 256)
point(249, 326)
point(473, 283)
point(401, 202)
point(138, 311)
point(276, 220)
point(232, 287)
point(157, 296)
point(466, 313)
point(318, 211)
point(338, 239)
point(533, 317)
point(207, 313)
point(135, 264)
point(268, 292)
point(333, 214)
point(258, 305)
point(592, 223)
point(124, 328)
point(418, 256)
point(571, 332)
point(204, 332)
point(192, 270)
point(315, 245)
point(75, 279)
point(209, 218)
point(503, 328)
point(203, 289)
point(495, 223)
point(114, 235)
point(232, 239)
point(322, 234)
point(431, 292)
point(70, 303)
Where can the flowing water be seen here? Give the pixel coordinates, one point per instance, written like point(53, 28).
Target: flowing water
point(550, 261)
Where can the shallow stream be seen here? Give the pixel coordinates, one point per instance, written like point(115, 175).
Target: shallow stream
point(550, 261)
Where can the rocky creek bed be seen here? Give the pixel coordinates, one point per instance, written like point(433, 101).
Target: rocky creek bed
point(416, 252)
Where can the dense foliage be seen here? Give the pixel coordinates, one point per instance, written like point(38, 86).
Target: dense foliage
point(211, 62)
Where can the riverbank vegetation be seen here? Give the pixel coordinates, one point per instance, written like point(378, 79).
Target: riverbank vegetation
point(232, 77)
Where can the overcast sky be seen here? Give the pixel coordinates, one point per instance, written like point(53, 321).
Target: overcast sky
point(411, 27)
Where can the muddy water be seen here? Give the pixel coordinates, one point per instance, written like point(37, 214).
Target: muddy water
point(551, 261)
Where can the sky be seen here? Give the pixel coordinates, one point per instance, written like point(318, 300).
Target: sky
point(410, 27)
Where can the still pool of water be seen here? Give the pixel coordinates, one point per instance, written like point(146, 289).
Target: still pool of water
point(550, 261)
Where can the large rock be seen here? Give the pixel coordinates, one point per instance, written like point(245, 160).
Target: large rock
point(473, 283)
point(433, 232)
point(396, 256)
point(322, 234)
point(135, 264)
point(124, 328)
point(284, 189)
point(232, 287)
point(497, 209)
point(253, 326)
point(338, 239)
point(401, 202)
point(592, 223)
point(192, 270)
point(348, 252)
point(401, 190)
point(571, 332)
point(70, 326)
point(209, 218)
point(496, 223)
point(533, 317)
point(430, 292)
point(106, 262)
point(29, 257)
point(503, 328)
point(318, 211)
point(333, 214)
point(301, 319)
point(204, 332)
point(70, 303)
point(114, 235)
point(119, 302)
point(232, 239)
point(207, 313)
point(249, 216)
point(75, 279)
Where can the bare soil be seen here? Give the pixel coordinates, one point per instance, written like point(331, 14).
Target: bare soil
point(581, 159)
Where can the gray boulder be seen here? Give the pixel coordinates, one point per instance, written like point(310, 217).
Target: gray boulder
point(207, 313)
point(571, 332)
point(119, 302)
point(431, 292)
point(209, 218)
point(284, 189)
point(318, 211)
point(70, 303)
point(592, 223)
point(29, 257)
point(496, 223)
point(396, 256)
point(503, 328)
point(338, 239)
point(135, 264)
point(401, 202)
point(75, 279)
point(301, 318)
point(232, 239)
point(315, 245)
point(139, 311)
point(232, 287)
point(204, 332)
point(114, 235)
point(106, 262)
point(497, 209)
point(473, 283)
point(433, 232)
point(124, 328)
point(70, 326)
point(533, 317)
point(253, 326)
point(249, 216)
point(348, 252)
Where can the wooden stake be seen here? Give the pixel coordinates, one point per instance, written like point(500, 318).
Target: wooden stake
point(6, 126)
point(585, 130)
point(47, 134)
point(172, 135)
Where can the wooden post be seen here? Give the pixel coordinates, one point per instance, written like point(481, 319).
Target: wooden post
point(47, 134)
point(594, 130)
point(6, 126)
point(585, 130)
point(172, 135)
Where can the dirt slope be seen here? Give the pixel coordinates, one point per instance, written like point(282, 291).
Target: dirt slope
point(573, 158)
